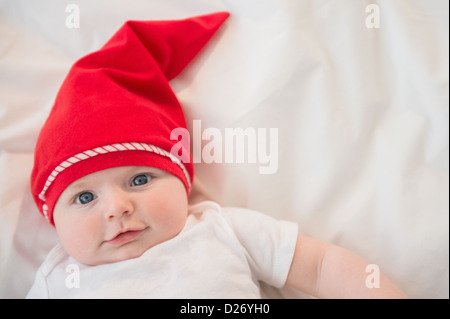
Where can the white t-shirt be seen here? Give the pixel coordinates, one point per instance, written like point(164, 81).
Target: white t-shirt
point(220, 253)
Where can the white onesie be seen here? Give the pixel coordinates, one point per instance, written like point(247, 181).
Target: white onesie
point(220, 253)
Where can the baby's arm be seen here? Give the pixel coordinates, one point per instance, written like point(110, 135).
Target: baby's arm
point(328, 271)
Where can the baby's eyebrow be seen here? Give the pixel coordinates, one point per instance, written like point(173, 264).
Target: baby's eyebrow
point(78, 186)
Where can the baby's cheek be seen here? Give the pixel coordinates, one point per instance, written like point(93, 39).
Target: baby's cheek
point(80, 238)
point(173, 210)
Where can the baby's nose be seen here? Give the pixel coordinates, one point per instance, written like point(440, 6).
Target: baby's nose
point(120, 206)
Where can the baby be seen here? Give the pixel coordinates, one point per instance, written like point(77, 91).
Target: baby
point(105, 178)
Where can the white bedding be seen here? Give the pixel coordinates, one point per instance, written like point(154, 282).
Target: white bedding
point(362, 116)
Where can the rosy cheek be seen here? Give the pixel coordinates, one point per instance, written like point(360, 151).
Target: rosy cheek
point(79, 235)
point(170, 209)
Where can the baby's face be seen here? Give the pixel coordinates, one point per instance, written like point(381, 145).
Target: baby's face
point(119, 213)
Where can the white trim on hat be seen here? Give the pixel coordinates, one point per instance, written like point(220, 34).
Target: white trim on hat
point(118, 147)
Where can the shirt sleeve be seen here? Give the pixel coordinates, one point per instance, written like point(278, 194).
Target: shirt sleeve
point(270, 243)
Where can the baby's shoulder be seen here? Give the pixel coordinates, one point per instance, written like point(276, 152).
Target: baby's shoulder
point(55, 257)
point(213, 207)
point(239, 218)
point(211, 210)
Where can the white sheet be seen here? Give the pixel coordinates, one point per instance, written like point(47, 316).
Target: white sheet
point(362, 117)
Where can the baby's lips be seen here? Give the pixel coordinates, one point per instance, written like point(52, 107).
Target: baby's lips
point(125, 236)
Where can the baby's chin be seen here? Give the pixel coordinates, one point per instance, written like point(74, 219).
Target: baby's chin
point(109, 255)
point(110, 259)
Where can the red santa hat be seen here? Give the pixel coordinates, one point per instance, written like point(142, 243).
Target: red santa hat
point(116, 107)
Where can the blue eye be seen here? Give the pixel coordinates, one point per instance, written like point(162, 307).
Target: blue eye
point(141, 179)
point(85, 198)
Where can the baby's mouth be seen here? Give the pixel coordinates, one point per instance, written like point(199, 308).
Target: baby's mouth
point(125, 236)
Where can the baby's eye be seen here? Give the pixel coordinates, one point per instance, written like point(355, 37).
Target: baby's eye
point(141, 179)
point(85, 198)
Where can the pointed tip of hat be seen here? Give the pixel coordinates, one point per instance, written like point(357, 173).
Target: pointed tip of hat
point(195, 34)
point(171, 43)
point(214, 19)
